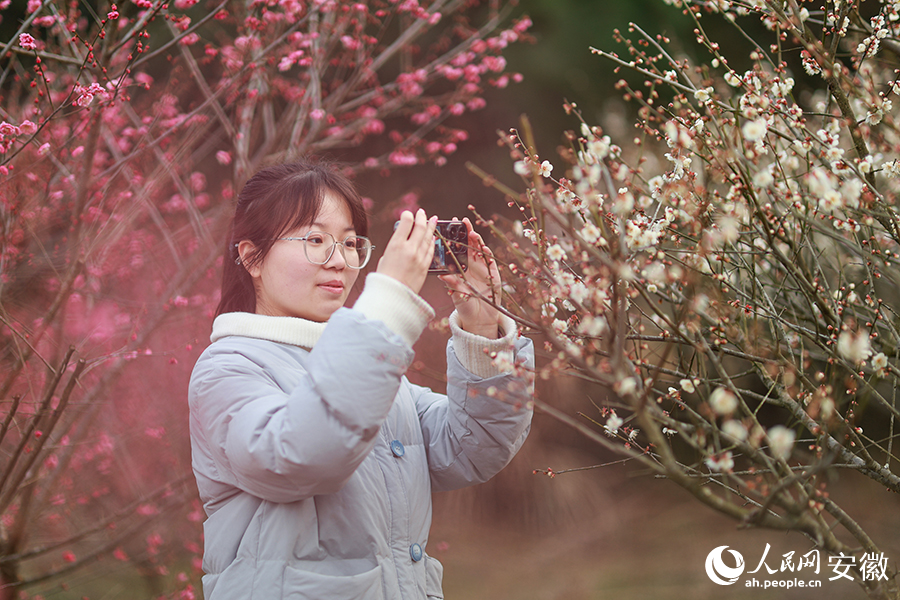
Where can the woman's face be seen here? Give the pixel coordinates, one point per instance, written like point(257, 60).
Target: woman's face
point(288, 285)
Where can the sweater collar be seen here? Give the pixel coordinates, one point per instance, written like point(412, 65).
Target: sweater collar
point(285, 330)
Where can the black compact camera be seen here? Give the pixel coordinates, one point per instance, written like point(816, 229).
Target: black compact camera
point(451, 247)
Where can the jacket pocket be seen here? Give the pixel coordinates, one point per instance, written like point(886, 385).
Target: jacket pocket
point(307, 585)
point(434, 575)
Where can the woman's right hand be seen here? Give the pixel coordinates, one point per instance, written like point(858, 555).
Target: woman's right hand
point(408, 253)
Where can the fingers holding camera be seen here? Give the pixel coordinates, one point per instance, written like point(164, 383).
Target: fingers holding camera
point(482, 267)
point(408, 256)
point(482, 278)
point(408, 253)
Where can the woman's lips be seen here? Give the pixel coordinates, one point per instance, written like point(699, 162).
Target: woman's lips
point(335, 287)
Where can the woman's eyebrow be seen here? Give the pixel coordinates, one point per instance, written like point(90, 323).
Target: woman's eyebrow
point(323, 225)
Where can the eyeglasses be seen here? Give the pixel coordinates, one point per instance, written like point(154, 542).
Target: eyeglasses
point(319, 247)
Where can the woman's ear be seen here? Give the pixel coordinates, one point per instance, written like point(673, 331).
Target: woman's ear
point(246, 249)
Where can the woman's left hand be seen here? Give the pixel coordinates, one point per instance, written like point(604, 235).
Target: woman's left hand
point(482, 278)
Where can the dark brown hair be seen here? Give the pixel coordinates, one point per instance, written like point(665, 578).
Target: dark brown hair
point(274, 201)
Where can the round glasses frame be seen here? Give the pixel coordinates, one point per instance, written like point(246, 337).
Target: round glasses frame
point(365, 244)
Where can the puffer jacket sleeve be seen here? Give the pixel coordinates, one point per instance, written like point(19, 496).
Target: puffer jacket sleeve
point(475, 430)
point(287, 446)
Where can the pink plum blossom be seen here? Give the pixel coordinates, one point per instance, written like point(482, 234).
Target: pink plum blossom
point(27, 42)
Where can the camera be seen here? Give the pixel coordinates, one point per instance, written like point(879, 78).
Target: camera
point(451, 247)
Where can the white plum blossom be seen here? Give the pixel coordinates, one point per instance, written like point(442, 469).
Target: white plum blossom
point(870, 45)
point(679, 164)
point(735, 430)
point(656, 186)
point(728, 231)
point(703, 94)
point(641, 232)
point(624, 204)
point(601, 297)
point(592, 326)
point(723, 401)
point(876, 114)
point(851, 191)
point(504, 361)
point(612, 424)
point(834, 153)
point(599, 148)
point(521, 168)
point(556, 253)
point(655, 272)
point(802, 146)
point(854, 347)
point(565, 199)
point(564, 279)
point(831, 201)
point(626, 386)
point(892, 168)
point(784, 87)
point(752, 103)
point(865, 165)
point(688, 386)
point(809, 64)
point(559, 326)
point(546, 168)
point(587, 177)
point(763, 178)
point(721, 462)
point(781, 441)
point(677, 135)
point(755, 130)
point(579, 292)
point(820, 182)
point(879, 361)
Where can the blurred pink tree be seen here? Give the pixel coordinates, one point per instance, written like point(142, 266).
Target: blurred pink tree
point(125, 130)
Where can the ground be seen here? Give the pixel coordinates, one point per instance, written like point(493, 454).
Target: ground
point(643, 539)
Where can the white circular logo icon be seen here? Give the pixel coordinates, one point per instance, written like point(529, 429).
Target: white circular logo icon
point(721, 573)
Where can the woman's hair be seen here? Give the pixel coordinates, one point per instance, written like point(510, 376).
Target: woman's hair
point(274, 201)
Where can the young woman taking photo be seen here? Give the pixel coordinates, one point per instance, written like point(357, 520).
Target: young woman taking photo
point(314, 455)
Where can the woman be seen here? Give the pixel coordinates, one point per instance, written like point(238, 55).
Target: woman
point(315, 457)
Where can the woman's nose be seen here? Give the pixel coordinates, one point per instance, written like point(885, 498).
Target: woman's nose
point(337, 260)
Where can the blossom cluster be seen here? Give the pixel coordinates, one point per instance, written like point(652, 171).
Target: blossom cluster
point(739, 253)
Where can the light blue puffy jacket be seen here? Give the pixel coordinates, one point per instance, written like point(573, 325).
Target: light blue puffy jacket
point(316, 467)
